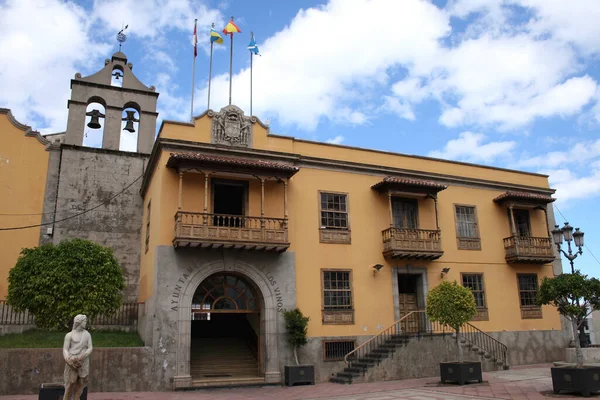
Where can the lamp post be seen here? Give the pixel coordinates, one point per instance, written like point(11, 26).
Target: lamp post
point(569, 236)
point(567, 233)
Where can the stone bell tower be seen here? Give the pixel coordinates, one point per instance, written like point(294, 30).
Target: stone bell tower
point(98, 88)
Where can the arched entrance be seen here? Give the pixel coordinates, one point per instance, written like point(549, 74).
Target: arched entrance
point(225, 329)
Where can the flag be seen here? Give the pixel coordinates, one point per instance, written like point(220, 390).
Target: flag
point(195, 39)
point(215, 37)
point(231, 28)
point(252, 46)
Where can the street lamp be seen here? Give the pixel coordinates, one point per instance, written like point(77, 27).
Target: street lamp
point(567, 233)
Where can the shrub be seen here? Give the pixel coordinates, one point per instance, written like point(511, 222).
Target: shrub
point(296, 325)
point(453, 305)
point(575, 296)
point(57, 282)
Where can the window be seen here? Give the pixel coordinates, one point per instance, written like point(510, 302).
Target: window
point(467, 232)
point(148, 225)
point(475, 283)
point(405, 213)
point(337, 297)
point(334, 223)
point(522, 226)
point(334, 214)
point(336, 350)
point(528, 287)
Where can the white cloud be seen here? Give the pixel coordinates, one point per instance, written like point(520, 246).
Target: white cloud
point(336, 140)
point(42, 45)
point(575, 173)
point(302, 78)
point(582, 153)
point(151, 18)
point(469, 146)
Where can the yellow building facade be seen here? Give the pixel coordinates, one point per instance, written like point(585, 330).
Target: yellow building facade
point(23, 171)
point(353, 237)
point(224, 226)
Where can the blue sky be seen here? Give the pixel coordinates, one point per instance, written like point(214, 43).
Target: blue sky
point(508, 83)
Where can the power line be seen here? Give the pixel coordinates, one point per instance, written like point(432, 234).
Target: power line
point(584, 245)
point(74, 215)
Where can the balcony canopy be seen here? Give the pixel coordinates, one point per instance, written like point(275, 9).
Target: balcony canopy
point(524, 198)
point(201, 161)
point(408, 185)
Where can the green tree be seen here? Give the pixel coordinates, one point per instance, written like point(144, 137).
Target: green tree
point(575, 296)
point(57, 282)
point(296, 325)
point(453, 305)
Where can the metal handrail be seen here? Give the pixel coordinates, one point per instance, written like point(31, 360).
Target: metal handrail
point(469, 333)
point(374, 338)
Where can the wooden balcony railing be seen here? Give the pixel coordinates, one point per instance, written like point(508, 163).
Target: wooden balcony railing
point(527, 249)
point(412, 243)
point(230, 231)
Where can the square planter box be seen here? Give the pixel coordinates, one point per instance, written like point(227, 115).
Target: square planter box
point(56, 391)
point(299, 374)
point(582, 380)
point(461, 373)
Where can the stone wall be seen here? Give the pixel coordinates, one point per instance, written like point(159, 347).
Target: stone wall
point(111, 369)
point(591, 355)
point(88, 177)
point(419, 358)
point(165, 325)
point(533, 347)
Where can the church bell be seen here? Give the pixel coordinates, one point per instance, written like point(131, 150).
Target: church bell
point(130, 120)
point(95, 120)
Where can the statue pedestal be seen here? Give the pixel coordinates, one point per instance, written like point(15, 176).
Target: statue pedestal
point(56, 391)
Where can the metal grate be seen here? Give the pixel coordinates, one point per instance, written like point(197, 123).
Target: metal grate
point(336, 350)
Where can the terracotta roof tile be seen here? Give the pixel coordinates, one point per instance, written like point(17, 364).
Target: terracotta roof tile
point(532, 197)
point(409, 182)
point(175, 158)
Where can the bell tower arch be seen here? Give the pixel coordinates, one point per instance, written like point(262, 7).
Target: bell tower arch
point(101, 88)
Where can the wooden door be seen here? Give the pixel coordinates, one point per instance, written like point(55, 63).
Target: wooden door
point(408, 303)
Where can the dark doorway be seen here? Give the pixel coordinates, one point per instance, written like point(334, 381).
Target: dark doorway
point(225, 330)
point(229, 198)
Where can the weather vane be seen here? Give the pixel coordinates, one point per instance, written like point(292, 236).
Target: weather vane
point(122, 37)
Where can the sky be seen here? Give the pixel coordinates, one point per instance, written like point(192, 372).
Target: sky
point(506, 83)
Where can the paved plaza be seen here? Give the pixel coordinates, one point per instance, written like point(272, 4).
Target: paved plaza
point(519, 383)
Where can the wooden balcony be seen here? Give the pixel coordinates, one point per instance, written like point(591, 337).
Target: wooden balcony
point(527, 249)
point(230, 231)
point(412, 244)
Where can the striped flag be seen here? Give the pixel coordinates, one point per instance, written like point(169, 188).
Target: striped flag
point(231, 28)
point(215, 37)
point(195, 39)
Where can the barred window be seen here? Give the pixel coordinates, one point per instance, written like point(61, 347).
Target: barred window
point(148, 225)
point(337, 290)
point(334, 211)
point(336, 350)
point(475, 283)
point(528, 286)
point(466, 222)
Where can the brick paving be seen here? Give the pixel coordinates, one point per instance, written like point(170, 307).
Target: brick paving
point(519, 383)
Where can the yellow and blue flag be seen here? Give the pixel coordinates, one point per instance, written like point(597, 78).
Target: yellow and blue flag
point(215, 37)
point(252, 46)
point(231, 28)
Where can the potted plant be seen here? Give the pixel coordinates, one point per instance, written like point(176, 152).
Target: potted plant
point(454, 305)
point(575, 296)
point(296, 325)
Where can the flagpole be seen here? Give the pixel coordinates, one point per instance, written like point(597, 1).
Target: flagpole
point(230, 64)
point(251, 54)
point(210, 73)
point(193, 75)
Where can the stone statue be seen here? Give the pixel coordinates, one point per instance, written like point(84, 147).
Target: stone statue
point(76, 351)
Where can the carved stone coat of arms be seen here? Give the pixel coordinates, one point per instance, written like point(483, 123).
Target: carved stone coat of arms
point(231, 127)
